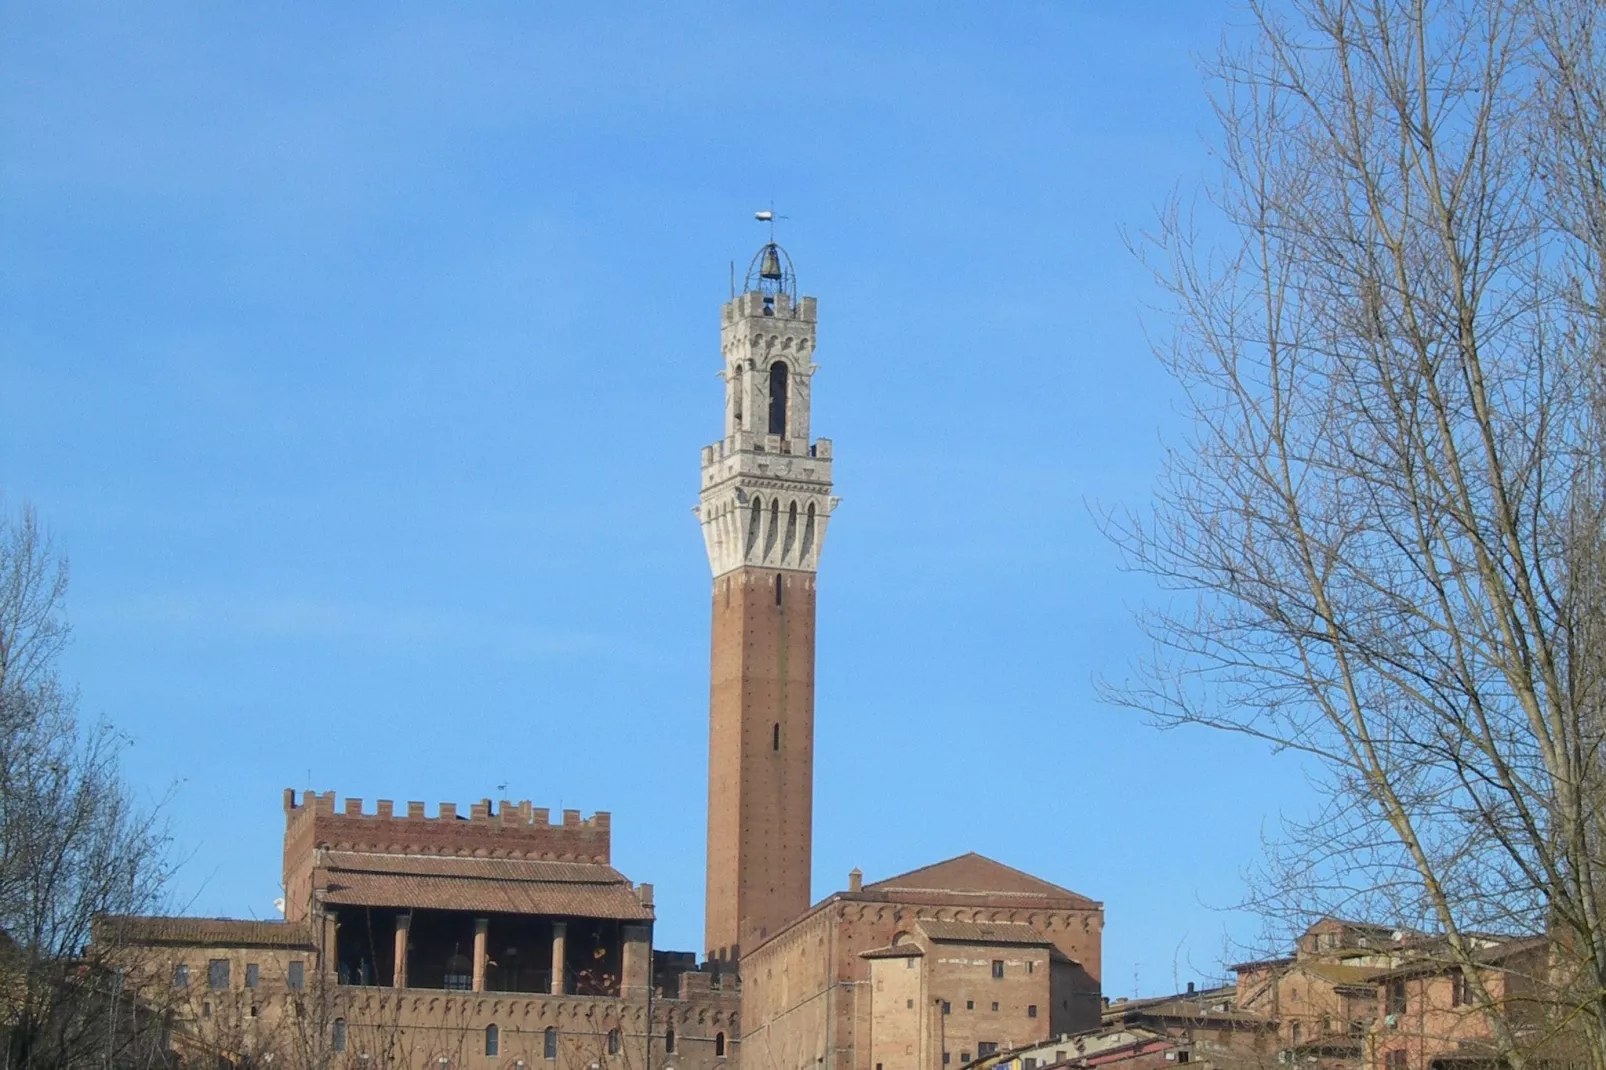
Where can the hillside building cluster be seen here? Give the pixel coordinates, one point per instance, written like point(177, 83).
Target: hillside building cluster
point(500, 939)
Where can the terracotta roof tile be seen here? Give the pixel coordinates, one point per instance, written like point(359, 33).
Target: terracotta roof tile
point(204, 932)
point(896, 951)
point(490, 895)
point(989, 932)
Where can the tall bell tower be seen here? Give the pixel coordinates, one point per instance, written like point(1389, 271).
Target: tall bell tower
point(766, 500)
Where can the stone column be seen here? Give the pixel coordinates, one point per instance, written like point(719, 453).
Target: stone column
point(399, 976)
point(560, 940)
point(480, 927)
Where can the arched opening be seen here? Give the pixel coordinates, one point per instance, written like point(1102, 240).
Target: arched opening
point(549, 1043)
point(791, 532)
point(778, 383)
point(719, 1045)
point(493, 1040)
point(613, 1042)
point(753, 524)
point(808, 534)
point(669, 1041)
point(337, 1035)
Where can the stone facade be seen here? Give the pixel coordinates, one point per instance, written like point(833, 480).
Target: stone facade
point(765, 505)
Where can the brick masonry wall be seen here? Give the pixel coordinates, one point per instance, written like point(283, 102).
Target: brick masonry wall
point(761, 755)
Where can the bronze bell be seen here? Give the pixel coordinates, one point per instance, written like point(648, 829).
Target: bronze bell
point(771, 267)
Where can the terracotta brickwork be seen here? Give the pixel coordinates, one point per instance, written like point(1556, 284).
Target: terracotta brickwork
point(512, 830)
point(807, 997)
point(761, 756)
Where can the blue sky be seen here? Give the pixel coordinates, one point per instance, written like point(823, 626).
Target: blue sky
point(360, 356)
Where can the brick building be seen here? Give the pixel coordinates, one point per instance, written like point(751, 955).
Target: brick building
point(923, 970)
point(492, 939)
point(498, 938)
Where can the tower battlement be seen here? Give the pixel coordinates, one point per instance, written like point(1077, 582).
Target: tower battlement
point(506, 830)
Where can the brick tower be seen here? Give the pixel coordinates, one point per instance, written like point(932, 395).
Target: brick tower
point(766, 500)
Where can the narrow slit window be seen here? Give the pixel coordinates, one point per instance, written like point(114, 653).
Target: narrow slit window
point(719, 1045)
point(778, 385)
point(777, 590)
point(493, 1039)
point(775, 736)
point(669, 1041)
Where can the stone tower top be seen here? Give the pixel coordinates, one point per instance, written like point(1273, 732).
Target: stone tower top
point(766, 486)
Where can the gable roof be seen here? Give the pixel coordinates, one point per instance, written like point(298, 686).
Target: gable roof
point(976, 874)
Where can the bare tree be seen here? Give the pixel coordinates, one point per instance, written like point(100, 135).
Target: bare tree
point(74, 842)
point(1385, 535)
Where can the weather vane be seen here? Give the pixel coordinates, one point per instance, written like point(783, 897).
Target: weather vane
point(769, 216)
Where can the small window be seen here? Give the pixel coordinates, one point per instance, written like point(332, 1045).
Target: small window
point(970, 1005)
point(947, 1008)
point(253, 1011)
point(253, 975)
point(549, 1043)
point(1059, 1056)
point(217, 973)
point(777, 578)
point(1458, 989)
point(964, 1057)
point(1028, 1063)
point(909, 1004)
point(1182, 1056)
point(985, 1048)
point(998, 968)
point(206, 1009)
point(1031, 967)
point(493, 1039)
point(1031, 1010)
point(669, 1041)
point(1396, 998)
point(908, 964)
point(719, 1045)
point(946, 1056)
point(613, 1042)
point(337, 1035)
point(995, 1006)
point(1293, 1033)
point(878, 1066)
point(298, 975)
point(181, 976)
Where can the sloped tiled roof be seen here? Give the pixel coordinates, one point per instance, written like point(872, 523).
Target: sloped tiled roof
point(488, 885)
point(201, 932)
point(896, 951)
point(977, 874)
point(990, 932)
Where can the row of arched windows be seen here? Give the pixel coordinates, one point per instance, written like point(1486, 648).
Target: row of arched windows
point(549, 1040)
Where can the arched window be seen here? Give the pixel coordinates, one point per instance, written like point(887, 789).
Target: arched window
point(493, 1040)
point(778, 384)
point(719, 1045)
point(337, 1035)
point(613, 1042)
point(669, 1041)
point(549, 1045)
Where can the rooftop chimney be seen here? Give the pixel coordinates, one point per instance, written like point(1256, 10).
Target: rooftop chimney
point(855, 879)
